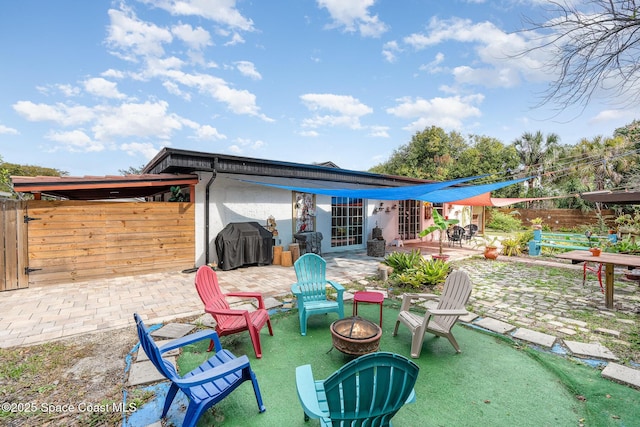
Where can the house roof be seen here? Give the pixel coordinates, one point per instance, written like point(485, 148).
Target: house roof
point(171, 160)
point(102, 187)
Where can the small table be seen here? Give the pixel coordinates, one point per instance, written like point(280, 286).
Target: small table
point(370, 297)
point(609, 260)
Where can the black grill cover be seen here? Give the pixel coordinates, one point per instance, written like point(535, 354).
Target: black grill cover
point(244, 243)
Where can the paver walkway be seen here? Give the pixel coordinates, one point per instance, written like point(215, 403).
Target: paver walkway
point(506, 301)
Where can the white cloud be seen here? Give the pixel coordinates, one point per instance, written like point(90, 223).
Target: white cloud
point(445, 112)
point(76, 141)
point(243, 145)
point(207, 132)
point(348, 110)
point(498, 52)
point(197, 38)
point(434, 67)
point(379, 131)
point(390, 49)
point(248, 69)
point(309, 133)
point(147, 149)
point(5, 130)
point(148, 120)
point(114, 74)
point(235, 39)
point(60, 113)
point(131, 38)
point(104, 88)
point(220, 11)
point(613, 116)
point(353, 15)
point(238, 101)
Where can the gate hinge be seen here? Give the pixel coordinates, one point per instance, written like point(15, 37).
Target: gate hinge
point(28, 270)
point(28, 218)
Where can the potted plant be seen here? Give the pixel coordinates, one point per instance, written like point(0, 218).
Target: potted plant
point(490, 244)
point(536, 223)
point(594, 251)
point(439, 224)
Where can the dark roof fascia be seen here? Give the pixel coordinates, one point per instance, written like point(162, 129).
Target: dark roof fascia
point(170, 160)
point(613, 197)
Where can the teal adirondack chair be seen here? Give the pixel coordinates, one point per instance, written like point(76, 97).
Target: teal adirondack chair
point(311, 289)
point(368, 391)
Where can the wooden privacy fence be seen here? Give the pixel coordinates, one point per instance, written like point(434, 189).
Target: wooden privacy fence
point(561, 219)
point(80, 241)
point(13, 259)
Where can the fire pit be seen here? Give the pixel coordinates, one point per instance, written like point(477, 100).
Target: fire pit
point(355, 336)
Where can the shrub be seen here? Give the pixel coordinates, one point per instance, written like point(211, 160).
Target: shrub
point(402, 261)
point(504, 222)
point(425, 274)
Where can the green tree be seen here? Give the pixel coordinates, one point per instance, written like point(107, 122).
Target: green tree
point(132, 170)
point(431, 154)
point(12, 169)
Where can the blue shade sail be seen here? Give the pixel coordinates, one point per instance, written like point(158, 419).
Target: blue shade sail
point(437, 192)
point(410, 192)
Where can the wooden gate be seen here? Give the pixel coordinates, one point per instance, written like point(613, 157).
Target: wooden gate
point(72, 241)
point(14, 258)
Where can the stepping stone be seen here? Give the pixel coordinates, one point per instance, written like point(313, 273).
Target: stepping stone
point(468, 318)
point(495, 325)
point(142, 356)
point(622, 374)
point(592, 350)
point(146, 373)
point(173, 331)
point(535, 337)
point(271, 302)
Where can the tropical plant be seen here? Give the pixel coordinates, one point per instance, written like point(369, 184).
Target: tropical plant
point(511, 246)
point(486, 241)
point(439, 224)
point(402, 261)
point(426, 274)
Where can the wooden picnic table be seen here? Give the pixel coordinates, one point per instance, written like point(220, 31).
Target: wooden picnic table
point(609, 260)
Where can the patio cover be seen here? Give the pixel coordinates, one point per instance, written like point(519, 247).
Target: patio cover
point(439, 192)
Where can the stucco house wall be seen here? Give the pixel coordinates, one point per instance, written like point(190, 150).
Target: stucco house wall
point(233, 200)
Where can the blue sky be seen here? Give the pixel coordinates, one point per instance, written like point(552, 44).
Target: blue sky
point(93, 87)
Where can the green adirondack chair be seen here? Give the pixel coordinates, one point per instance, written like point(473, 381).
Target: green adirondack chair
point(368, 391)
point(311, 289)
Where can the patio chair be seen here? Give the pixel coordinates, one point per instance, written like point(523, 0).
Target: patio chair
point(368, 391)
point(311, 289)
point(455, 235)
point(470, 230)
point(440, 320)
point(596, 269)
point(230, 321)
point(206, 385)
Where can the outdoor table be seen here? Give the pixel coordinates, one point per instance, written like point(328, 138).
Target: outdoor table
point(370, 297)
point(609, 260)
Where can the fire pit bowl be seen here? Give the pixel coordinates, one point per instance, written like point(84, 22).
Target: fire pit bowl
point(355, 336)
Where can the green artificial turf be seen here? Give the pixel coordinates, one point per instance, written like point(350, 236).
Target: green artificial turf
point(493, 382)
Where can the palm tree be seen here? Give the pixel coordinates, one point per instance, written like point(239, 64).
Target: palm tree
point(536, 153)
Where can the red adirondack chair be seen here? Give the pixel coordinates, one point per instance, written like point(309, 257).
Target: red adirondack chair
point(230, 321)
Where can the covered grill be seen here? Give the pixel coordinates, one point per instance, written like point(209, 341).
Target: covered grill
point(244, 243)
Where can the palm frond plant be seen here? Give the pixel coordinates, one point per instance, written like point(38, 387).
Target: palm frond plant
point(439, 224)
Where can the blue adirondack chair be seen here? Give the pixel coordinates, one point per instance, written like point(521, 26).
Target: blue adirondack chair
point(206, 385)
point(368, 391)
point(311, 289)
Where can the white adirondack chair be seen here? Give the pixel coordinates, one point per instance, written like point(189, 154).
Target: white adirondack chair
point(440, 320)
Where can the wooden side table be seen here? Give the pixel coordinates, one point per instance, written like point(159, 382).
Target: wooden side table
point(371, 297)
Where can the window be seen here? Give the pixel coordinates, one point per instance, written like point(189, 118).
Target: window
point(347, 221)
point(409, 219)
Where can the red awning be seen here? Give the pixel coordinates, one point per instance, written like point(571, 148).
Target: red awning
point(485, 199)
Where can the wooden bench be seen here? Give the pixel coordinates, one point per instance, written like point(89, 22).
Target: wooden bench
point(566, 241)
